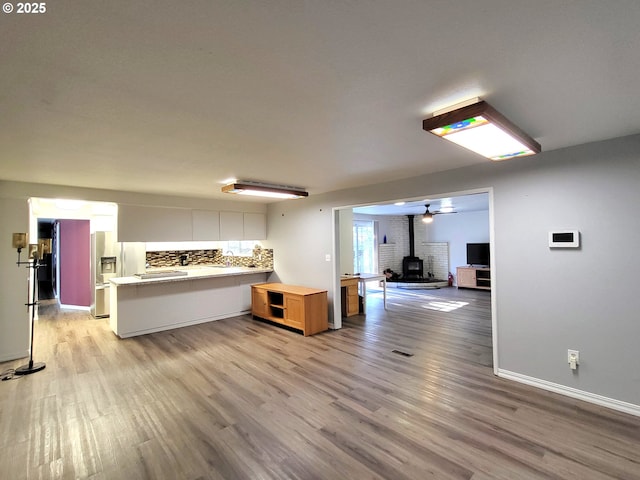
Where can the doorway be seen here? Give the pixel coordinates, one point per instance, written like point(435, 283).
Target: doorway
point(47, 286)
point(65, 226)
point(457, 252)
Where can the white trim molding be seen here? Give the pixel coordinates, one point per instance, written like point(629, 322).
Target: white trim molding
point(75, 307)
point(594, 398)
point(14, 356)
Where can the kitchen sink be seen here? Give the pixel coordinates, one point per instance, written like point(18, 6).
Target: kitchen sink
point(162, 274)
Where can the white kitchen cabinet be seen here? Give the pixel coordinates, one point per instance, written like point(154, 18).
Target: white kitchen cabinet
point(255, 226)
point(206, 225)
point(138, 223)
point(154, 224)
point(231, 226)
point(243, 226)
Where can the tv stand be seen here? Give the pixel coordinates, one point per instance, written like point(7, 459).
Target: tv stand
point(474, 277)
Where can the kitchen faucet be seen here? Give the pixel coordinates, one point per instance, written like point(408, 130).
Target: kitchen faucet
point(228, 262)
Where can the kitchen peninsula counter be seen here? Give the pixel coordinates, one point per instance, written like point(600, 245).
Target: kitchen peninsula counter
point(204, 294)
point(191, 274)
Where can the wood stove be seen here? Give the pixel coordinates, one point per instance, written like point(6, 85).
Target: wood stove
point(412, 266)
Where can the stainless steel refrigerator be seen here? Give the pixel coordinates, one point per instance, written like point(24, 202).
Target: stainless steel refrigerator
point(132, 258)
point(111, 259)
point(104, 264)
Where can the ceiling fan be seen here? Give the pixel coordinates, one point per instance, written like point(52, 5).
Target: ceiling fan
point(427, 216)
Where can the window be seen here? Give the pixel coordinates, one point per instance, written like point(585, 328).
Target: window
point(241, 248)
point(365, 251)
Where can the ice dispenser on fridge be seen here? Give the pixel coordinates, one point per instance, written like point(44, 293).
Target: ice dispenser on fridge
point(107, 268)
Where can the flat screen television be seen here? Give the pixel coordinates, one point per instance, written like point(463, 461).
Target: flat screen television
point(478, 253)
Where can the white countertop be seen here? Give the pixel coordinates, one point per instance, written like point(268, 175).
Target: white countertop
point(193, 273)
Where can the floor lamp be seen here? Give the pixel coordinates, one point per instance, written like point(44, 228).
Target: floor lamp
point(19, 242)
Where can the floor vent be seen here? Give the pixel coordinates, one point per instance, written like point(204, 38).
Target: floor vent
point(404, 354)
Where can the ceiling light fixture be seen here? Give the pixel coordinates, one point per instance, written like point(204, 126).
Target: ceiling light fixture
point(264, 190)
point(427, 216)
point(481, 128)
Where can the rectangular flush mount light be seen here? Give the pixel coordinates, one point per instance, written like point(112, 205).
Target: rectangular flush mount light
point(264, 190)
point(482, 129)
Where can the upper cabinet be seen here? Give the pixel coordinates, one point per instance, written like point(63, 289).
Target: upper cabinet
point(255, 226)
point(231, 226)
point(163, 224)
point(243, 226)
point(206, 225)
point(153, 224)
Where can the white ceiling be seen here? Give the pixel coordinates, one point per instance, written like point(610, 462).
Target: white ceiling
point(175, 97)
point(459, 204)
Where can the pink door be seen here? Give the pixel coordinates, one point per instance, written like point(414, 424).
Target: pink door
point(74, 263)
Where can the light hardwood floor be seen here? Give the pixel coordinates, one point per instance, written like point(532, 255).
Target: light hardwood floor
point(243, 399)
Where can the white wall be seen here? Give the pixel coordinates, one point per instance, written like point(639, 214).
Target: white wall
point(396, 229)
point(547, 301)
point(458, 230)
point(346, 241)
point(14, 286)
point(551, 300)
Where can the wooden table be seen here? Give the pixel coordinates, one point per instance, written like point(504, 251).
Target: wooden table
point(368, 277)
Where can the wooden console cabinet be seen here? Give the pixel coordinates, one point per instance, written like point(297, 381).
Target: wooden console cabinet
point(297, 307)
point(474, 277)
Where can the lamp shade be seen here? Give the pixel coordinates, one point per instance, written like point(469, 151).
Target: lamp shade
point(20, 240)
point(482, 129)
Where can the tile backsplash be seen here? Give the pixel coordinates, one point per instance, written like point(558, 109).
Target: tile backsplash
point(262, 258)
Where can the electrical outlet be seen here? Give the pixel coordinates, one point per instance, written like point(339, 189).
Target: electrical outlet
point(573, 354)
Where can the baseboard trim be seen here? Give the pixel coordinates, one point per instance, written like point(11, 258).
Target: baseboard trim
point(75, 307)
point(594, 398)
point(172, 326)
point(14, 356)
